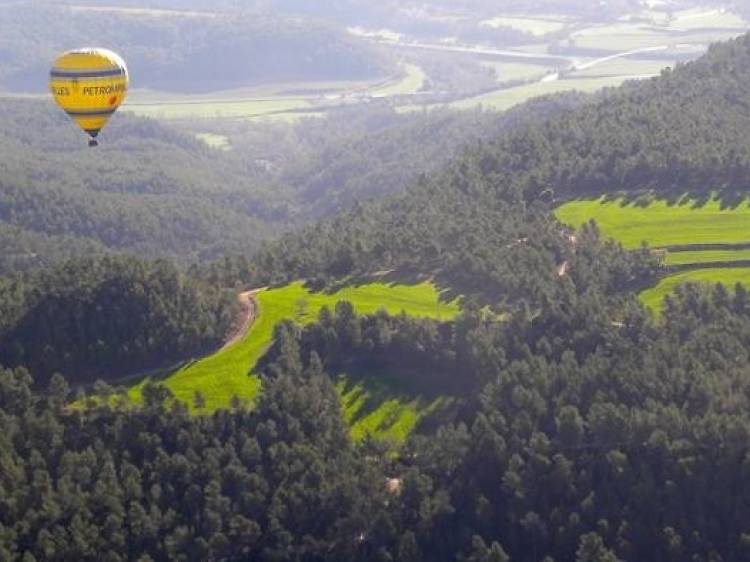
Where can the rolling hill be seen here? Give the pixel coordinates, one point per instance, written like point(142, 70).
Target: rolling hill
point(158, 191)
point(685, 132)
point(180, 50)
point(586, 430)
point(154, 192)
point(231, 373)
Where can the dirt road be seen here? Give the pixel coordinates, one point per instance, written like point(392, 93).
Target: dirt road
point(245, 320)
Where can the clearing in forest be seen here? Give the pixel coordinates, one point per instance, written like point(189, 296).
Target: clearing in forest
point(727, 276)
point(228, 372)
point(706, 241)
point(662, 223)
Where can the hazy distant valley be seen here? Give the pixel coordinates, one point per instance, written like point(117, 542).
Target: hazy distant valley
point(377, 281)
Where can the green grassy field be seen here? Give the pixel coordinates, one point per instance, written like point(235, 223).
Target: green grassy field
point(654, 296)
point(504, 99)
point(706, 256)
point(218, 108)
point(227, 373)
point(411, 82)
point(661, 223)
point(702, 18)
point(627, 36)
point(286, 101)
point(375, 406)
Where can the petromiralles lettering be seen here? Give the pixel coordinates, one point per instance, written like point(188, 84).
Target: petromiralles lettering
point(103, 90)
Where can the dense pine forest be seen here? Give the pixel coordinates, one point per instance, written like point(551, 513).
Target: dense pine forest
point(581, 428)
point(581, 439)
point(160, 192)
point(102, 318)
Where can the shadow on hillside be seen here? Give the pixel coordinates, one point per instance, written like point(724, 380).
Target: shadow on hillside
point(158, 375)
point(380, 386)
point(696, 199)
point(390, 278)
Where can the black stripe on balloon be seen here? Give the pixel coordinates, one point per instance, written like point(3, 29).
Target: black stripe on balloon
point(91, 113)
point(86, 73)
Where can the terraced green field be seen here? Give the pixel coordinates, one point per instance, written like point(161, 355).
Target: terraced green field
point(661, 223)
point(228, 372)
point(706, 256)
point(654, 296)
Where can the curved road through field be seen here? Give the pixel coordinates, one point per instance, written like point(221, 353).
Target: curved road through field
point(249, 307)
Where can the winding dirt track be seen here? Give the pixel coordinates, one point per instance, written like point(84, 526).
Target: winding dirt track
point(245, 320)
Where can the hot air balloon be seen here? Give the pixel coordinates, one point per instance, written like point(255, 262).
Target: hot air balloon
point(89, 84)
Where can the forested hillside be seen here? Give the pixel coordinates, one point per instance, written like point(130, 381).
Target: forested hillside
point(180, 51)
point(590, 440)
point(103, 318)
point(581, 427)
point(687, 131)
point(153, 192)
point(157, 192)
point(355, 154)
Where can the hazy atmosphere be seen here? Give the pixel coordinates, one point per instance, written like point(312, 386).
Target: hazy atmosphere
point(332, 280)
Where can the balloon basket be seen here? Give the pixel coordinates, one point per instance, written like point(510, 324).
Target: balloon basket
point(93, 143)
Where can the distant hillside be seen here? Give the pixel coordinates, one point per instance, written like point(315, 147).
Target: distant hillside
point(179, 51)
point(361, 154)
point(150, 191)
point(156, 192)
point(688, 130)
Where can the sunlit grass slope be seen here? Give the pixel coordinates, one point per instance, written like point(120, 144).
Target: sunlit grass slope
point(661, 223)
point(375, 406)
point(504, 99)
point(654, 296)
point(227, 373)
point(706, 256)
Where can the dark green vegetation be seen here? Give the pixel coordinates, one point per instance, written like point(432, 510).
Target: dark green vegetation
point(153, 192)
point(581, 429)
point(156, 192)
point(354, 155)
point(229, 374)
point(587, 442)
point(107, 317)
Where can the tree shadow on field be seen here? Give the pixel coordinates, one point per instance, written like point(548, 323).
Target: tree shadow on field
point(728, 199)
point(378, 386)
point(391, 278)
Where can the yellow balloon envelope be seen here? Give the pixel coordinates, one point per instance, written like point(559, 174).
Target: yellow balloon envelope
point(89, 84)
